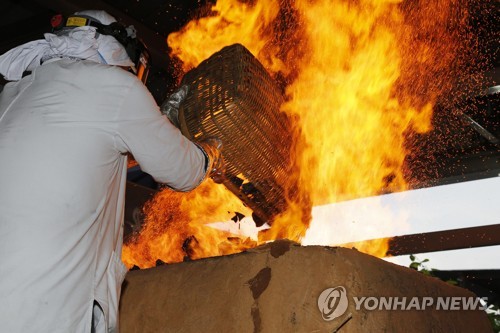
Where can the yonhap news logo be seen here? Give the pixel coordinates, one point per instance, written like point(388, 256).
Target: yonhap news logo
point(333, 303)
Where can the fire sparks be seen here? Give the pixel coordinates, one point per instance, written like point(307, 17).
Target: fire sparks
point(175, 226)
point(360, 77)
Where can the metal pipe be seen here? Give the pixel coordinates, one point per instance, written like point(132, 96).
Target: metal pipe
point(488, 235)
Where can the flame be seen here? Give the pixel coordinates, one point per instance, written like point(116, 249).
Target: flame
point(229, 22)
point(376, 247)
point(174, 227)
point(361, 78)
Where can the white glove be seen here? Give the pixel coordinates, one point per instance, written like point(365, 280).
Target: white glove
point(170, 107)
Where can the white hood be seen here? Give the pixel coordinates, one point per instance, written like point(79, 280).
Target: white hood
point(80, 43)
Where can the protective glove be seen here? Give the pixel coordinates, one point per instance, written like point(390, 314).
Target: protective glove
point(212, 148)
point(170, 107)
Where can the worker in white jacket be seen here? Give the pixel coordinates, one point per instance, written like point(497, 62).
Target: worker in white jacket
point(65, 130)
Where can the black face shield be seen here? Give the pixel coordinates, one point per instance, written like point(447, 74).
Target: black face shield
point(136, 50)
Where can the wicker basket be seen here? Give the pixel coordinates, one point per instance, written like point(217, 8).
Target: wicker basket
point(232, 97)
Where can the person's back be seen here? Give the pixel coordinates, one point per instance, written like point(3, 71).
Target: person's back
point(63, 134)
point(65, 130)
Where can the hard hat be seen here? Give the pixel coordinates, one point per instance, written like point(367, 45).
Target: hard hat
point(117, 43)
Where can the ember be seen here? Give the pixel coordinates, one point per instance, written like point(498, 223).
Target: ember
point(360, 79)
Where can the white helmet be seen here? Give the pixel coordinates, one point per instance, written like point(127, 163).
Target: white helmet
point(117, 44)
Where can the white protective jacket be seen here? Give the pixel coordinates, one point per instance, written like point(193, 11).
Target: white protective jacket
point(64, 132)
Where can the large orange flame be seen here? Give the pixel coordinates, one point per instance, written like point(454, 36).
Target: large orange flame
point(229, 22)
point(175, 227)
point(361, 77)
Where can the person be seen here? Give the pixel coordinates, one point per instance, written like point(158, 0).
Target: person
point(66, 127)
